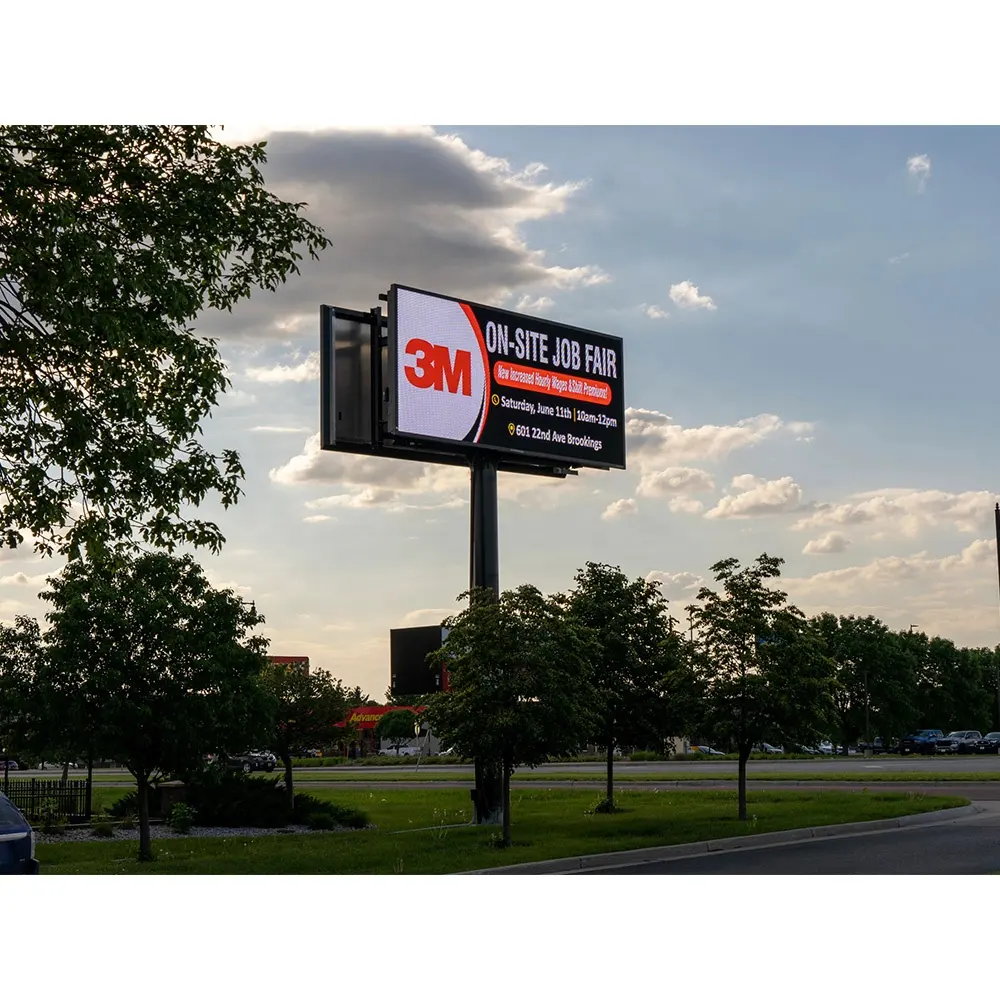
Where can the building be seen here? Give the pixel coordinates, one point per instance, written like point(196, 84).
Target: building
point(366, 717)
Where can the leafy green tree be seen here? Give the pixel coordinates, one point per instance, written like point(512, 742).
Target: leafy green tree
point(397, 727)
point(520, 686)
point(767, 674)
point(20, 651)
point(170, 661)
point(309, 709)
point(113, 240)
point(875, 683)
point(629, 621)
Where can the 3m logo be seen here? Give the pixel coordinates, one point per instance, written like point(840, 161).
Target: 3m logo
point(437, 367)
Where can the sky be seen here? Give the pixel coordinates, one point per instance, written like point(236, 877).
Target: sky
point(808, 321)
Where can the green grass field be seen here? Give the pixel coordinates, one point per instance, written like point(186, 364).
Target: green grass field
point(547, 823)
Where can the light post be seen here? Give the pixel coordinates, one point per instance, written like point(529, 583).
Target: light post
point(6, 772)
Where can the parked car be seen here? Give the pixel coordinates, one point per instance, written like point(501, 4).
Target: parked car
point(403, 752)
point(767, 748)
point(707, 750)
point(17, 841)
point(825, 747)
point(990, 743)
point(924, 741)
point(10, 765)
point(251, 760)
point(450, 752)
point(959, 741)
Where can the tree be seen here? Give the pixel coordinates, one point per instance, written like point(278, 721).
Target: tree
point(629, 621)
point(767, 675)
point(308, 709)
point(397, 727)
point(520, 690)
point(875, 683)
point(113, 240)
point(20, 649)
point(169, 659)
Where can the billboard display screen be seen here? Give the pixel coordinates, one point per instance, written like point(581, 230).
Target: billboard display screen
point(482, 377)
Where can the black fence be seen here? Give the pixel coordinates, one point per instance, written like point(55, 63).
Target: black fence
point(39, 797)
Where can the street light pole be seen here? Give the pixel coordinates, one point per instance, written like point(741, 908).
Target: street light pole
point(996, 517)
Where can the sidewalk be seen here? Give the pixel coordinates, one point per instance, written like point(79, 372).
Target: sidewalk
point(614, 859)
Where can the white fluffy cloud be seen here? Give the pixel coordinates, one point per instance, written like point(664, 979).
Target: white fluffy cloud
point(907, 511)
point(674, 480)
point(304, 371)
point(676, 585)
point(426, 616)
point(686, 505)
point(828, 544)
point(619, 508)
point(686, 296)
point(894, 570)
point(654, 311)
point(268, 429)
point(412, 206)
point(656, 442)
point(755, 497)
point(919, 166)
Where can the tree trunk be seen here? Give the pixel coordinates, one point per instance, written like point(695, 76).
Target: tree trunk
point(742, 783)
point(145, 847)
point(506, 800)
point(286, 759)
point(488, 795)
point(65, 774)
point(610, 790)
point(90, 784)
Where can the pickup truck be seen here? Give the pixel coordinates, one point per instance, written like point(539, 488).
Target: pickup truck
point(924, 741)
point(960, 741)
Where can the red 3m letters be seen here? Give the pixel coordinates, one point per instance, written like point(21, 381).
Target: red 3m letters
point(435, 367)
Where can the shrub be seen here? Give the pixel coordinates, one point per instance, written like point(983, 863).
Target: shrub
point(52, 823)
point(181, 818)
point(646, 755)
point(102, 828)
point(320, 821)
point(308, 808)
point(606, 806)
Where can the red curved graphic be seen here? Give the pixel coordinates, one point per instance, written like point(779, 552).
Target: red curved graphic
point(474, 323)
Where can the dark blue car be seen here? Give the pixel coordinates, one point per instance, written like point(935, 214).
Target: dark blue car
point(17, 843)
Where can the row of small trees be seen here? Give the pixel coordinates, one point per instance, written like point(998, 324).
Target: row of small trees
point(144, 663)
point(535, 676)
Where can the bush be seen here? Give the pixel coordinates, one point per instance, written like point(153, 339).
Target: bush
point(52, 823)
point(606, 806)
point(103, 828)
point(308, 808)
point(646, 755)
point(181, 818)
point(320, 821)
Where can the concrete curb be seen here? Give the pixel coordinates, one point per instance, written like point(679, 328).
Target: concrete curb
point(645, 855)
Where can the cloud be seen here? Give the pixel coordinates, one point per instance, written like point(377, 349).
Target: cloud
point(620, 508)
point(674, 480)
point(831, 542)
point(238, 588)
point(908, 511)
point(413, 206)
point(894, 570)
point(676, 585)
point(305, 371)
point(21, 579)
point(900, 258)
point(919, 166)
point(654, 311)
point(265, 429)
point(686, 505)
point(755, 497)
point(655, 441)
point(685, 295)
point(538, 305)
point(318, 518)
point(425, 616)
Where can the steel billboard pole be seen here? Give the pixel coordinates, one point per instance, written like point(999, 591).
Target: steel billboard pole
point(484, 572)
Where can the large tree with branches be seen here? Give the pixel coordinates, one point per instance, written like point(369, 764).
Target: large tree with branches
point(112, 241)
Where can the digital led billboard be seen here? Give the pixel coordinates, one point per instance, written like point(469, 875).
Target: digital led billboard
point(482, 377)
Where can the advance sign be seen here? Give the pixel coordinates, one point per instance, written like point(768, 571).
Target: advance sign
point(487, 378)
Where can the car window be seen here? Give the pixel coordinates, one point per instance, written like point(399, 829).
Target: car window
point(992, 736)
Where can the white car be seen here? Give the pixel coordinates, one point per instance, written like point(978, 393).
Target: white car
point(708, 751)
point(825, 746)
point(770, 749)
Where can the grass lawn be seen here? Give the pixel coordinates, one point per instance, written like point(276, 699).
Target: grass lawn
point(547, 823)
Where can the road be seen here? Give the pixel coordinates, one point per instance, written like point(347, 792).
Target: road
point(860, 766)
point(964, 847)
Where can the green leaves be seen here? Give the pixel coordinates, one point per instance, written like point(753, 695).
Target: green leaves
point(112, 241)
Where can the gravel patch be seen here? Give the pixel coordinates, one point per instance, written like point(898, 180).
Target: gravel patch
point(159, 832)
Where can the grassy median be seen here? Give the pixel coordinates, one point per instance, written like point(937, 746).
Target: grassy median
point(416, 835)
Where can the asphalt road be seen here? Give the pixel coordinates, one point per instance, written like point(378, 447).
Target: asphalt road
point(964, 847)
point(837, 765)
